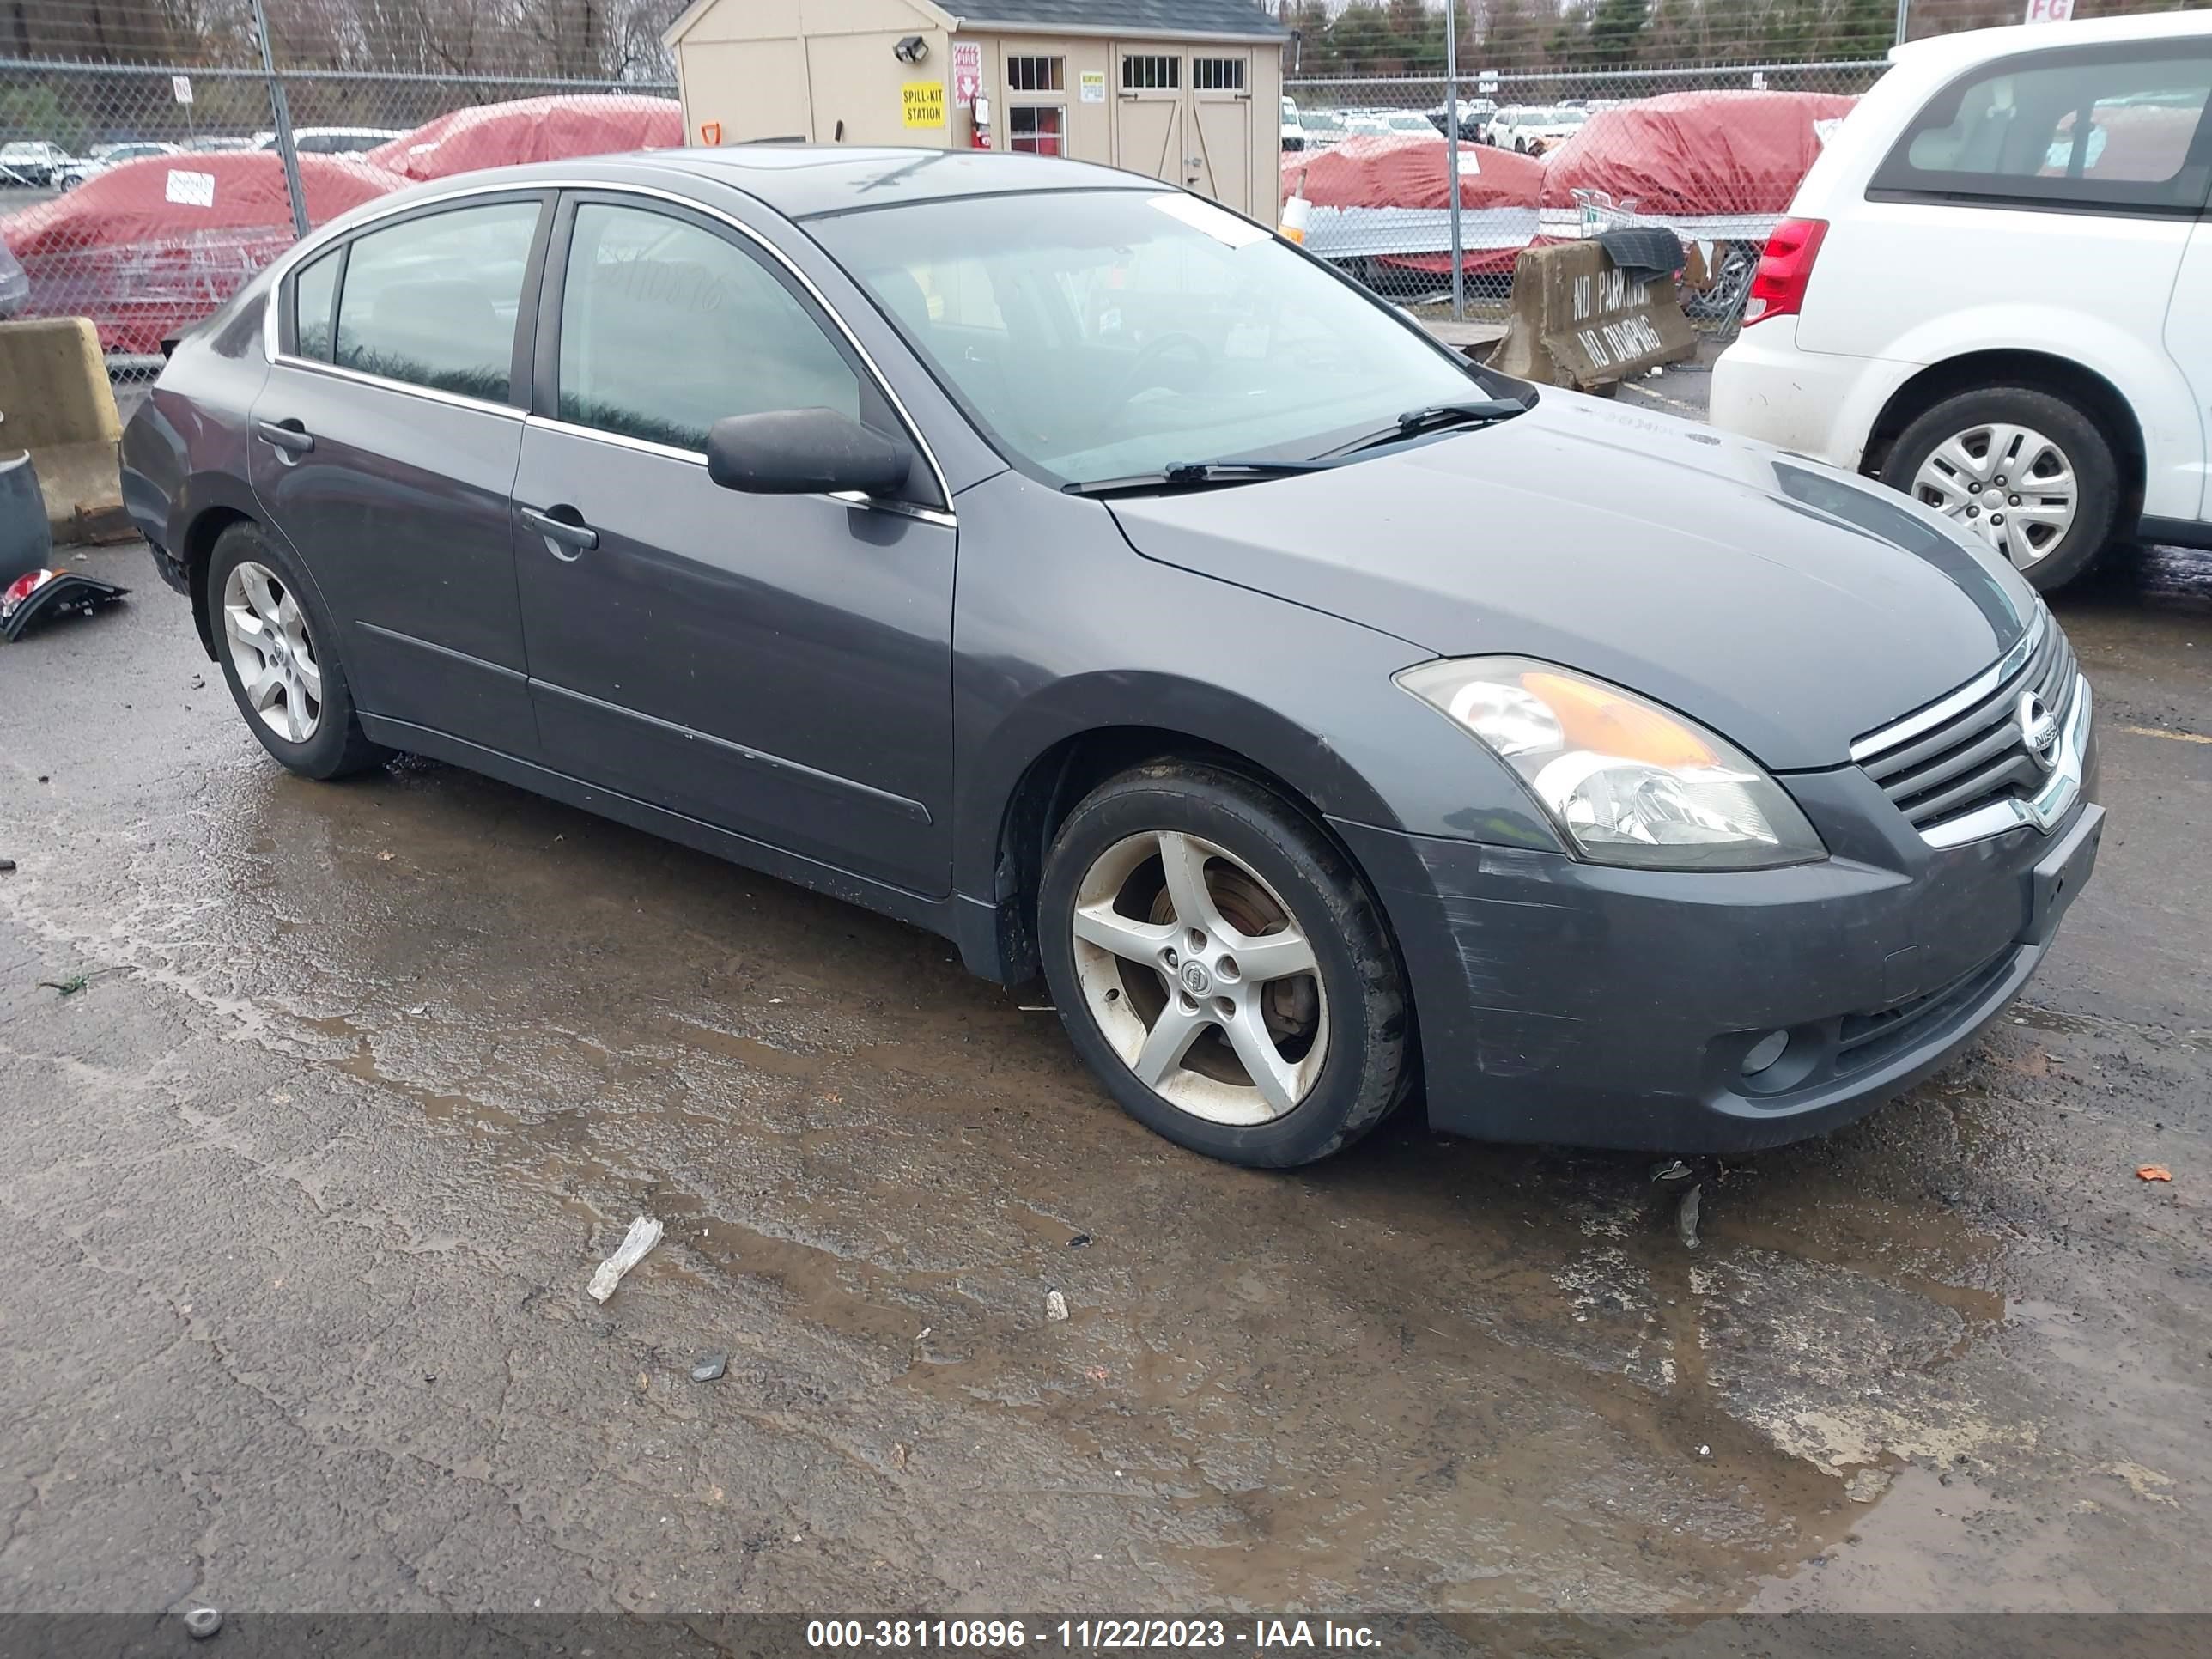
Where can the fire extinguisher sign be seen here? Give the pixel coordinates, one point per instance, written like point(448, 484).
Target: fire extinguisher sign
point(967, 72)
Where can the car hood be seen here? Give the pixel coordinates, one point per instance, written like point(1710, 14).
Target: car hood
point(1788, 606)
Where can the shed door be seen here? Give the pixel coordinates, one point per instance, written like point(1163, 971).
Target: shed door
point(1149, 136)
point(1221, 127)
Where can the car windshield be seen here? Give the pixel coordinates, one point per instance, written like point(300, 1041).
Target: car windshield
point(1105, 334)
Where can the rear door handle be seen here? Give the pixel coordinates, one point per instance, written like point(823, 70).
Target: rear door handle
point(566, 538)
point(288, 437)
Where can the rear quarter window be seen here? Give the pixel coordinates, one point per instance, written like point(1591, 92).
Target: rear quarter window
point(2110, 129)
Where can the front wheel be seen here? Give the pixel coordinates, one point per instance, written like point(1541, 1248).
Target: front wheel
point(2026, 471)
point(1222, 967)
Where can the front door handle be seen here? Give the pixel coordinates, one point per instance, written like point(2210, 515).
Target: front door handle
point(565, 537)
point(287, 437)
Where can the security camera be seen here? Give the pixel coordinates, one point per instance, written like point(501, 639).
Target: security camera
point(912, 50)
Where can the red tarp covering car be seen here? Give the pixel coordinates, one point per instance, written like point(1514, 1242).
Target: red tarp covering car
point(154, 245)
point(532, 129)
point(1388, 197)
point(1710, 164)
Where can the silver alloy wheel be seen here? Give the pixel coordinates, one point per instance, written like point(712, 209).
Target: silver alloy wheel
point(2012, 486)
point(266, 634)
point(1199, 978)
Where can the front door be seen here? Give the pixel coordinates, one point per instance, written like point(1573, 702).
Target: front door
point(779, 666)
point(386, 439)
point(1148, 132)
point(1221, 127)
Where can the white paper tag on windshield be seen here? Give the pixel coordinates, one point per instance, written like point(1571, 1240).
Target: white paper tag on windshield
point(192, 189)
point(1218, 222)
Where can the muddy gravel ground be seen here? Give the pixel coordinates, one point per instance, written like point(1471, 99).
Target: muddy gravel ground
point(301, 1190)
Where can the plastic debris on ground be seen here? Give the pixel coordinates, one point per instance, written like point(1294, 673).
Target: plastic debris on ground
point(42, 596)
point(644, 1233)
point(710, 1368)
point(203, 1622)
point(2153, 1172)
point(1055, 1306)
point(1671, 1169)
point(1686, 1218)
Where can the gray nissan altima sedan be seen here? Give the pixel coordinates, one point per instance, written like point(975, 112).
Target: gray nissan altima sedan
point(1060, 563)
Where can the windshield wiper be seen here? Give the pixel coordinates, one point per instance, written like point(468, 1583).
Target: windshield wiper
point(1186, 475)
point(1434, 417)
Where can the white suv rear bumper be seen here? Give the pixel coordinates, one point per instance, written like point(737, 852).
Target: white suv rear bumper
point(1816, 402)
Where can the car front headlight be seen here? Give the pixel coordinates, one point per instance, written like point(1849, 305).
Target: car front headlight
point(1624, 780)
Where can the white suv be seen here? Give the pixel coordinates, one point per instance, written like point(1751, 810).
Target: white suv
point(1993, 289)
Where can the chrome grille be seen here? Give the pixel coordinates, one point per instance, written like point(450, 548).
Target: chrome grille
point(1965, 751)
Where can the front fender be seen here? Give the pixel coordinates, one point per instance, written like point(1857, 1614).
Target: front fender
point(1062, 629)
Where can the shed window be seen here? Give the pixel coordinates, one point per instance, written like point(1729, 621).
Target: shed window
point(1218, 74)
point(1148, 72)
point(1037, 75)
point(1036, 128)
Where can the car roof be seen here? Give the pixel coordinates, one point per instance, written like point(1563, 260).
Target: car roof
point(803, 181)
point(1940, 51)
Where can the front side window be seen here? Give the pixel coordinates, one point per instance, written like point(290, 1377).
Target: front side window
point(1100, 334)
point(666, 327)
point(2096, 128)
point(433, 302)
point(1036, 74)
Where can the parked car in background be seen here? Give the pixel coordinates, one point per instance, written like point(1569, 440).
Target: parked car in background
point(331, 141)
point(990, 540)
point(1412, 122)
point(33, 164)
point(1993, 290)
point(100, 157)
point(14, 286)
point(1323, 127)
point(216, 143)
point(1293, 131)
point(1473, 122)
point(1532, 130)
point(149, 247)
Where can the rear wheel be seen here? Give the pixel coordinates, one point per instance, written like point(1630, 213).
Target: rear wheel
point(1222, 967)
point(2026, 470)
point(279, 655)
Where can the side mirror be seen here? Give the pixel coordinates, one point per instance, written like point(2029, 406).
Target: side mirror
point(804, 451)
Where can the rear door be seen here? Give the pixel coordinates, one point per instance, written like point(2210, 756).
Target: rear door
point(779, 666)
point(386, 438)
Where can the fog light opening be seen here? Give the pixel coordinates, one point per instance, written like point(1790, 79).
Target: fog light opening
point(1766, 1052)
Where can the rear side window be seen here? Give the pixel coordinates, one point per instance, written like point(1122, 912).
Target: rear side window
point(666, 327)
point(433, 302)
point(315, 295)
point(2104, 128)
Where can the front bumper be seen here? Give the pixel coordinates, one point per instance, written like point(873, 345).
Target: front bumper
point(1575, 1004)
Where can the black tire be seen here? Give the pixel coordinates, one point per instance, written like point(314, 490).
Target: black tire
point(2096, 471)
point(1369, 1056)
point(336, 747)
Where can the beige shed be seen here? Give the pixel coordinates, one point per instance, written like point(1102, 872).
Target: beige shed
point(1185, 90)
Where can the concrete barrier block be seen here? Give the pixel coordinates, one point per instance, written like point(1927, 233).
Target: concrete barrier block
point(55, 401)
point(1579, 320)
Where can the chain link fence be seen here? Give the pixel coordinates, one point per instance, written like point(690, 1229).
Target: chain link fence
point(143, 197)
point(1712, 154)
point(144, 176)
